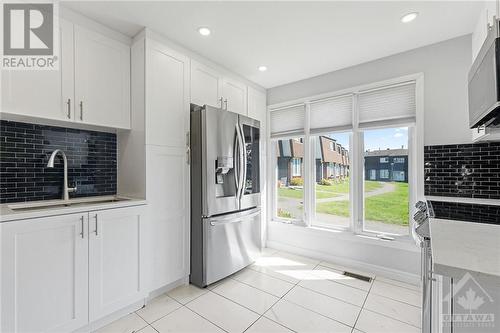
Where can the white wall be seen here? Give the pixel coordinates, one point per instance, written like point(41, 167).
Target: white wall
point(445, 66)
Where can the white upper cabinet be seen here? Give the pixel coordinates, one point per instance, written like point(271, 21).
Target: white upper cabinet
point(210, 87)
point(486, 17)
point(116, 258)
point(92, 85)
point(167, 95)
point(44, 274)
point(234, 95)
point(102, 80)
point(206, 85)
point(43, 94)
point(257, 108)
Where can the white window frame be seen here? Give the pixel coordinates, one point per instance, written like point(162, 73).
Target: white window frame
point(356, 172)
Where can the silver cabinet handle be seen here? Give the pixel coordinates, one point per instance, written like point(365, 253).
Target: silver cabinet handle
point(96, 225)
point(225, 102)
point(221, 100)
point(69, 108)
point(82, 219)
point(81, 110)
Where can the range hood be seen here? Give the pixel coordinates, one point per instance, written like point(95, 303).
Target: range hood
point(484, 83)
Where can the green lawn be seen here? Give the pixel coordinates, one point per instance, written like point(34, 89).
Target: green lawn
point(389, 207)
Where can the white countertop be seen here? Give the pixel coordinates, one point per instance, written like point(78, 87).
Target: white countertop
point(492, 202)
point(60, 207)
point(468, 246)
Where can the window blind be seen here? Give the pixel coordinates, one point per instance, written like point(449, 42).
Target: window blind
point(289, 120)
point(331, 114)
point(387, 104)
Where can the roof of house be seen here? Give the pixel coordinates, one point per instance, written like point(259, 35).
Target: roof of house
point(387, 152)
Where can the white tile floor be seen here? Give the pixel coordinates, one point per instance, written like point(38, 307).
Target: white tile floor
point(282, 292)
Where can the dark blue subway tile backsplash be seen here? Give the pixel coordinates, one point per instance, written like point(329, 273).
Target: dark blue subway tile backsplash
point(468, 170)
point(466, 212)
point(24, 152)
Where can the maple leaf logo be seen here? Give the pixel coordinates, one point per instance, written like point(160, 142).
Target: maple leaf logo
point(470, 301)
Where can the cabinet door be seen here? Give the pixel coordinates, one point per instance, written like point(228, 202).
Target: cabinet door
point(206, 85)
point(167, 114)
point(43, 94)
point(44, 274)
point(167, 214)
point(115, 257)
point(257, 108)
point(102, 80)
point(235, 95)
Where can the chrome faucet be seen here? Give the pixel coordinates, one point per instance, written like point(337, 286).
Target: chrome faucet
point(50, 164)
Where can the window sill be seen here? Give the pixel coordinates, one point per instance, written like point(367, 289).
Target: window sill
point(402, 243)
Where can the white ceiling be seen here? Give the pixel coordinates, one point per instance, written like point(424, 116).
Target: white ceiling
point(295, 40)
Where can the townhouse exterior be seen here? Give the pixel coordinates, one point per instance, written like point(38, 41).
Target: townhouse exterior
point(390, 165)
point(331, 160)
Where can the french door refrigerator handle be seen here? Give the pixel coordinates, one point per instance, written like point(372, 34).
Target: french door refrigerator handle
point(235, 162)
point(244, 162)
point(241, 158)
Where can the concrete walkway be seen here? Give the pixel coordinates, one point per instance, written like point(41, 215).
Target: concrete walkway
point(386, 188)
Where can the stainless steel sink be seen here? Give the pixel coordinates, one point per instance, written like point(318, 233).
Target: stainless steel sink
point(51, 204)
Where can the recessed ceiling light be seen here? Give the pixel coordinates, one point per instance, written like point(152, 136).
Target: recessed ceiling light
point(409, 17)
point(262, 68)
point(204, 31)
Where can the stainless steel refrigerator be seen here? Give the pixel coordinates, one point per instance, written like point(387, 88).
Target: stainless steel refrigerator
point(225, 193)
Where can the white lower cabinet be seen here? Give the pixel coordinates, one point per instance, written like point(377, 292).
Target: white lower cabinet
point(45, 274)
point(168, 214)
point(114, 260)
point(58, 274)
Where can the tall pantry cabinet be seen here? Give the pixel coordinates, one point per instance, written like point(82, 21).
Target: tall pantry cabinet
point(154, 160)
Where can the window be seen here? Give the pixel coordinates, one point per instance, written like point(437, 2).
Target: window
point(331, 181)
point(343, 161)
point(384, 174)
point(398, 176)
point(386, 201)
point(290, 184)
point(296, 167)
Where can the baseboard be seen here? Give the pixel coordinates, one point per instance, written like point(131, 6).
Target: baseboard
point(167, 288)
point(132, 307)
point(363, 266)
point(93, 326)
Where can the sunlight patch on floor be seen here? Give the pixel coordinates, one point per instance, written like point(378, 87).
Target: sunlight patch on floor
point(276, 261)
